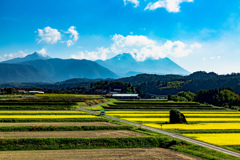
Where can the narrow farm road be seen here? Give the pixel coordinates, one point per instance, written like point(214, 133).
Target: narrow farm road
point(171, 134)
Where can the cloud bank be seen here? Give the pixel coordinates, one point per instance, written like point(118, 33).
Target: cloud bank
point(169, 5)
point(51, 36)
point(140, 47)
point(73, 37)
point(135, 2)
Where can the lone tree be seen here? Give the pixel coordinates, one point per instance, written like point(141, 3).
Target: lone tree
point(177, 117)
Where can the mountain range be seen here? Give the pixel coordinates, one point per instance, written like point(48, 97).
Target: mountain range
point(30, 57)
point(42, 68)
point(125, 64)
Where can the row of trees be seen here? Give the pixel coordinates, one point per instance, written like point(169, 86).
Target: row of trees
point(220, 97)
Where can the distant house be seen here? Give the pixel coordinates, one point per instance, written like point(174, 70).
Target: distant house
point(125, 96)
point(36, 92)
point(22, 91)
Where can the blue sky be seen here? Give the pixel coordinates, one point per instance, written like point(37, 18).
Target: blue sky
point(196, 34)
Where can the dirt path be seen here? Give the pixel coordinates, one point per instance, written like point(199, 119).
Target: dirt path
point(118, 133)
point(58, 124)
point(98, 154)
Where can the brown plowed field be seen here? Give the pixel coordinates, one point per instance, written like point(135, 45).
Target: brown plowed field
point(57, 124)
point(98, 154)
point(33, 134)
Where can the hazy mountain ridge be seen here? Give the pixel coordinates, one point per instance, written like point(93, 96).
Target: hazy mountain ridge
point(57, 69)
point(21, 73)
point(63, 69)
point(124, 63)
point(30, 57)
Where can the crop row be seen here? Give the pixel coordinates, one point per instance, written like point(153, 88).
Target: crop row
point(36, 107)
point(66, 95)
point(188, 119)
point(164, 112)
point(154, 102)
point(16, 120)
point(167, 115)
point(42, 112)
point(36, 103)
point(199, 126)
point(62, 128)
point(45, 116)
point(218, 138)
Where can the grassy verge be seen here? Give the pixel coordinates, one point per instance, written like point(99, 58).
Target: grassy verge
point(96, 108)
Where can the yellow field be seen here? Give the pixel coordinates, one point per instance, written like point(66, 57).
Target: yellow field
point(198, 126)
point(218, 138)
point(188, 119)
point(139, 115)
point(165, 114)
point(42, 112)
point(45, 116)
point(147, 119)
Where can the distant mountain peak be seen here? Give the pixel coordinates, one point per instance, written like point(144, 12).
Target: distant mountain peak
point(123, 63)
point(38, 56)
point(30, 57)
point(123, 56)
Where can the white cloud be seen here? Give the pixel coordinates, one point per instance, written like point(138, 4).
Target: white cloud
point(49, 35)
point(13, 55)
point(43, 52)
point(73, 37)
point(69, 43)
point(140, 47)
point(101, 53)
point(170, 5)
point(136, 2)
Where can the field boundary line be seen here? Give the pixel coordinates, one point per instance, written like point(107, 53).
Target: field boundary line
point(200, 143)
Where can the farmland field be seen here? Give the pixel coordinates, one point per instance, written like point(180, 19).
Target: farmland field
point(222, 139)
point(100, 154)
point(198, 126)
point(55, 122)
point(45, 116)
point(205, 122)
point(40, 134)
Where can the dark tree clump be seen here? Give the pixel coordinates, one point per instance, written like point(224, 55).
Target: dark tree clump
point(177, 117)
